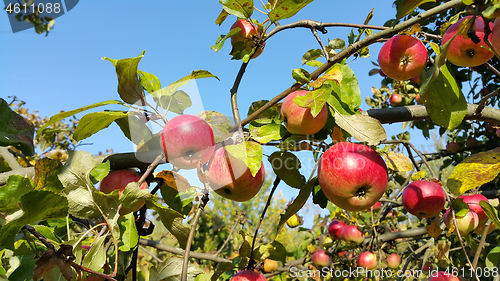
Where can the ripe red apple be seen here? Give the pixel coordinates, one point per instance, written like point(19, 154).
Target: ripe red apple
point(249, 33)
point(417, 99)
point(473, 202)
point(423, 199)
point(463, 51)
point(452, 147)
point(490, 127)
point(393, 261)
point(119, 179)
point(427, 267)
point(395, 99)
point(402, 57)
point(471, 142)
point(299, 120)
point(335, 229)
point(269, 265)
point(231, 178)
point(352, 234)
point(443, 276)
point(416, 79)
point(465, 224)
point(352, 176)
point(377, 205)
point(247, 275)
point(321, 258)
point(367, 260)
point(187, 140)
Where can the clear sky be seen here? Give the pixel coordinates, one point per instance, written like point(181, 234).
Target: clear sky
point(64, 70)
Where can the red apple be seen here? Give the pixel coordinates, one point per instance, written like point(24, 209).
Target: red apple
point(321, 258)
point(427, 267)
point(480, 228)
point(452, 147)
point(463, 51)
point(187, 140)
point(352, 234)
point(299, 120)
point(416, 79)
point(402, 57)
point(417, 99)
point(377, 205)
point(353, 176)
point(231, 178)
point(498, 132)
point(393, 261)
point(490, 127)
point(381, 73)
point(465, 224)
point(245, 41)
point(423, 199)
point(335, 229)
point(473, 202)
point(367, 260)
point(471, 142)
point(395, 99)
point(119, 179)
point(443, 276)
point(247, 275)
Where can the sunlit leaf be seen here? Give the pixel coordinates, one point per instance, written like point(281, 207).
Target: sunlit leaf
point(362, 127)
point(93, 122)
point(474, 171)
point(238, 8)
point(314, 100)
point(398, 162)
point(408, 6)
point(284, 9)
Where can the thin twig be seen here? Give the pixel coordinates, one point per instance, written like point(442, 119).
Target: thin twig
point(484, 100)
point(178, 251)
point(228, 236)
point(251, 262)
point(234, 91)
point(481, 243)
point(22, 157)
point(203, 203)
point(414, 254)
point(11, 160)
point(315, 33)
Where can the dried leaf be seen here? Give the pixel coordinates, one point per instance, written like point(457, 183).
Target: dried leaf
point(337, 135)
point(433, 229)
point(398, 162)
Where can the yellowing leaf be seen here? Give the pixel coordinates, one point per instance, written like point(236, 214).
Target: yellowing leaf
point(433, 229)
point(407, 6)
point(398, 162)
point(474, 171)
point(337, 135)
point(418, 176)
point(335, 74)
point(443, 249)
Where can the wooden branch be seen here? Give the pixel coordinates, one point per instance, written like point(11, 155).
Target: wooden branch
point(178, 251)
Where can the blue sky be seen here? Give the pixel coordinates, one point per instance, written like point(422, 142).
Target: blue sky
point(64, 70)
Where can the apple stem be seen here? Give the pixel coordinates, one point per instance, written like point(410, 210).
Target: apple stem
point(251, 262)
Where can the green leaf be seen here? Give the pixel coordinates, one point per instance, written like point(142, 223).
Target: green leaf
point(346, 96)
point(133, 194)
point(336, 43)
point(60, 116)
point(490, 212)
point(473, 171)
point(96, 256)
point(265, 133)
point(93, 122)
point(220, 124)
point(283, 9)
point(315, 100)
point(219, 43)
point(99, 172)
point(238, 8)
point(10, 193)
point(222, 17)
point(492, 259)
point(149, 82)
point(461, 208)
point(171, 270)
point(129, 86)
point(362, 127)
point(286, 166)
point(278, 252)
point(129, 237)
point(177, 102)
point(444, 101)
point(319, 198)
point(133, 128)
point(79, 189)
point(297, 203)
point(491, 12)
point(15, 130)
point(311, 55)
point(270, 115)
point(172, 220)
point(36, 205)
point(46, 171)
point(301, 75)
point(249, 152)
point(176, 191)
point(408, 6)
